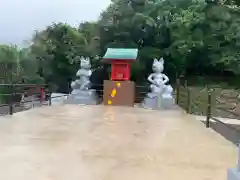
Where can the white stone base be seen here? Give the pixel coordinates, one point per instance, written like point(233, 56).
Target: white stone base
point(233, 174)
point(82, 97)
point(153, 102)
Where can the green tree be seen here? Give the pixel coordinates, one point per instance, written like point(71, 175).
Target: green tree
point(193, 35)
point(17, 66)
point(56, 49)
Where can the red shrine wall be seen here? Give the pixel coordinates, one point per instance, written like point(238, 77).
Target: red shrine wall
point(119, 93)
point(120, 71)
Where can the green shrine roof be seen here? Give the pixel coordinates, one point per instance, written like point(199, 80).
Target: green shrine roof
point(121, 54)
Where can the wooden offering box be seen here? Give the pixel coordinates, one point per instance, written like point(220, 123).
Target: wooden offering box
point(119, 93)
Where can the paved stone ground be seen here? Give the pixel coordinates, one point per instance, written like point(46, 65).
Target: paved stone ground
point(72, 142)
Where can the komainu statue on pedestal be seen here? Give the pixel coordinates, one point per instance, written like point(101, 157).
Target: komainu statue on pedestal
point(84, 74)
point(161, 94)
point(157, 79)
point(82, 94)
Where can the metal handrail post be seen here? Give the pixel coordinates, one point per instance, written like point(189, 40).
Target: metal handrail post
point(209, 108)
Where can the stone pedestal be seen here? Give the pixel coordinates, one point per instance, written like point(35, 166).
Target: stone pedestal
point(233, 174)
point(155, 101)
point(167, 102)
point(150, 101)
point(119, 93)
point(87, 97)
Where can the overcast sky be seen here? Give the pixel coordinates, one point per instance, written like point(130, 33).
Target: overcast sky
point(19, 18)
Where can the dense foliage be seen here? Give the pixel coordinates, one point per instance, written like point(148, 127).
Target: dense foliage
point(196, 37)
point(192, 35)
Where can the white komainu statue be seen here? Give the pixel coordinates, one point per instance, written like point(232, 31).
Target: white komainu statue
point(157, 78)
point(84, 73)
point(82, 94)
point(158, 87)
